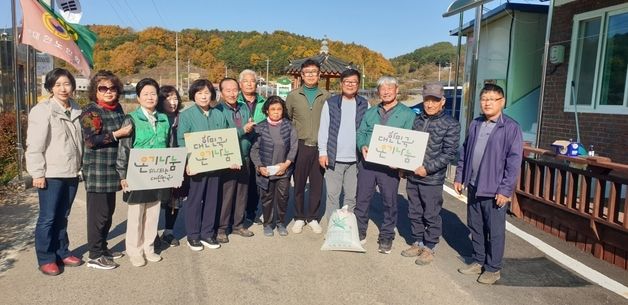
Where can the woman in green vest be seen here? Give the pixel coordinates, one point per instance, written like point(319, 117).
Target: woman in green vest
point(150, 130)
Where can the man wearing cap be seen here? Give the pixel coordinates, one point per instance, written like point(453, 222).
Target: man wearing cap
point(425, 184)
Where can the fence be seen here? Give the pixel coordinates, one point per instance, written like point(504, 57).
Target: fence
point(581, 200)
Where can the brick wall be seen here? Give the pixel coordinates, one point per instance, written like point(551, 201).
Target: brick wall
point(607, 132)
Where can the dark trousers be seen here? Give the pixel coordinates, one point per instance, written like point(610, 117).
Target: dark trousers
point(387, 180)
point(51, 231)
point(307, 166)
point(201, 205)
point(487, 223)
point(275, 201)
point(170, 215)
point(253, 193)
point(425, 203)
point(235, 185)
point(100, 208)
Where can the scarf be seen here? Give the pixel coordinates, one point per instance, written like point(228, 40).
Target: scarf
point(273, 123)
point(110, 107)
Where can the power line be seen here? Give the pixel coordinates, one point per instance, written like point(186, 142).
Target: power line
point(159, 14)
point(133, 14)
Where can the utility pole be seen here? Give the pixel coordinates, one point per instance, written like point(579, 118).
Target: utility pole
point(188, 75)
point(18, 95)
point(449, 77)
point(176, 46)
point(363, 75)
point(267, 65)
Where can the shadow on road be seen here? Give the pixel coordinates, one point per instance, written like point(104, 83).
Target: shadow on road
point(537, 272)
point(18, 216)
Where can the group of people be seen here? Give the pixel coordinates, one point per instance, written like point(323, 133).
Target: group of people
point(311, 137)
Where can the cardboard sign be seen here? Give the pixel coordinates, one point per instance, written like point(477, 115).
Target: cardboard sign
point(397, 147)
point(155, 168)
point(212, 150)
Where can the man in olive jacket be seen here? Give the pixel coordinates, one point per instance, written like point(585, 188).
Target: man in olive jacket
point(304, 109)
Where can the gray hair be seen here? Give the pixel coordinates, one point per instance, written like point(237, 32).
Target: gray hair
point(245, 72)
point(387, 80)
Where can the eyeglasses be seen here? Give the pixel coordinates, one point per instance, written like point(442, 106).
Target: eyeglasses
point(490, 100)
point(104, 89)
point(309, 72)
point(350, 82)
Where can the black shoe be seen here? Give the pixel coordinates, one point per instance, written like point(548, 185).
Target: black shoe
point(170, 240)
point(210, 243)
point(112, 254)
point(195, 244)
point(385, 246)
point(103, 263)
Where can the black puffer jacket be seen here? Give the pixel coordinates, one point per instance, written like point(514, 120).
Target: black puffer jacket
point(442, 146)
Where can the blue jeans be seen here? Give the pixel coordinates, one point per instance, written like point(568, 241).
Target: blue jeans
point(51, 232)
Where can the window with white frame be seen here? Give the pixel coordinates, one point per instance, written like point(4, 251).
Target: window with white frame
point(598, 66)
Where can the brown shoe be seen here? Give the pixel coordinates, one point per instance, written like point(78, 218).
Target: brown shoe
point(426, 257)
point(242, 232)
point(489, 278)
point(222, 238)
point(414, 250)
point(473, 268)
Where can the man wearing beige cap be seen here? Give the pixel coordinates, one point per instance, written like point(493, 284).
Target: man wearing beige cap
point(425, 184)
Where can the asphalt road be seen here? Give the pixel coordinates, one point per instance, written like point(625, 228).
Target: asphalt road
point(287, 270)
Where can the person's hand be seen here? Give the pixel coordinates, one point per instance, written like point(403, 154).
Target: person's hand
point(263, 171)
point(458, 187)
point(123, 132)
point(323, 161)
point(39, 183)
point(283, 167)
point(249, 126)
point(501, 200)
point(234, 167)
point(420, 171)
point(365, 150)
point(188, 172)
point(124, 185)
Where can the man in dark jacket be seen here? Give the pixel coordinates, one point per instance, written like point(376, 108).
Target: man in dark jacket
point(425, 184)
point(489, 164)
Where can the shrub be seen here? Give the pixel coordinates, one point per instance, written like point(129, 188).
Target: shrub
point(8, 142)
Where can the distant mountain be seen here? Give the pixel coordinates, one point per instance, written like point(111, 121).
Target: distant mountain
point(440, 52)
point(127, 52)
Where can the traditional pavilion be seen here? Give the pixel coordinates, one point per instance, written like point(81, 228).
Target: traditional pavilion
point(331, 66)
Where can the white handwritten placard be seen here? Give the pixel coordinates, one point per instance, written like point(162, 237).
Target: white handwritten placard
point(212, 150)
point(155, 168)
point(397, 147)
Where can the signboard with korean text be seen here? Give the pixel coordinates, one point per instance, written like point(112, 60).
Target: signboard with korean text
point(155, 168)
point(212, 150)
point(397, 147)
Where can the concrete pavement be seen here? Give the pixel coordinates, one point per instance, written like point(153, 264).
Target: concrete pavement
point(288, 270)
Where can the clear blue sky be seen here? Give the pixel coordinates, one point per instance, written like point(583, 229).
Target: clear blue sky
point(392, 27)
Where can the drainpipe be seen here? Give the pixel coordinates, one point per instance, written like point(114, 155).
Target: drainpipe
point(539, 119)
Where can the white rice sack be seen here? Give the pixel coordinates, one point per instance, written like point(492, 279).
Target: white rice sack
point(342, 232)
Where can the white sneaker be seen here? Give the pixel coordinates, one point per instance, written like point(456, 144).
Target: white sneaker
point(137, 261)
point(316, 228)
point(153, 257)
point(297, 227)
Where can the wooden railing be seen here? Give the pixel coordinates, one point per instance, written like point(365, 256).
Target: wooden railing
point(581, 200)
